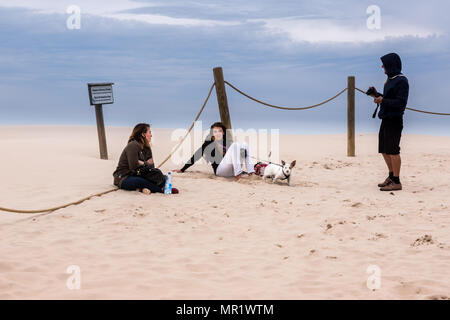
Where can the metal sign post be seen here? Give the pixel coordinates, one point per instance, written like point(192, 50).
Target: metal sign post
point(100, 94)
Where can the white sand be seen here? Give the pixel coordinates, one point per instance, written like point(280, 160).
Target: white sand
point(221, 239)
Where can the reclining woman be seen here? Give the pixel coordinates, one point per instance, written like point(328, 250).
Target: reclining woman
point(222, 153)
point(137, 153)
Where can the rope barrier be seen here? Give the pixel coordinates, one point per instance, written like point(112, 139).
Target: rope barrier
point(416, 110)
point(190, 128)
point(59, 207)
point(115, 189)
point(286, 108)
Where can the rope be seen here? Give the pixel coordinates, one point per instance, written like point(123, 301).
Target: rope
point(115, 189)
point(190, 128)
point(416, 110)
point(59, 207)
point(286, 108)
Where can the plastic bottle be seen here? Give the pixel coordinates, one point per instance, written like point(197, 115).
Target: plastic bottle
point(168, 186)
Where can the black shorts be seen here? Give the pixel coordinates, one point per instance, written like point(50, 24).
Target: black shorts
point(389, 135)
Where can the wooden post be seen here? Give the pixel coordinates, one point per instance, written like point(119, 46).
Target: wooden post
point(222, 97)
point(351, 116)
point(101, 131)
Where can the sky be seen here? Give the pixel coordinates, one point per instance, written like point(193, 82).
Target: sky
point(160, 55)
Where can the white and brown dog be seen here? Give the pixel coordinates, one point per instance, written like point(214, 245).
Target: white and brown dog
point(279, 172)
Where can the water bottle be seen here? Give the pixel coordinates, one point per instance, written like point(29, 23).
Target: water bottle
point(168, 186)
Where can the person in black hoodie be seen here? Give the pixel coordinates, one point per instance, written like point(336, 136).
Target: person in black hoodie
point(392, 107)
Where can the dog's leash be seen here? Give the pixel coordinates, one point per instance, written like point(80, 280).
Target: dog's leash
point(269, 162)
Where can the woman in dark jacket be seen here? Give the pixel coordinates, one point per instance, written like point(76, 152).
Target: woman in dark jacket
point(224, 155)
point(136, 153)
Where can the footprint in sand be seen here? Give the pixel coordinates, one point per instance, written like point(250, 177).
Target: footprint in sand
point(378, 236)
point(357, 205)
point(424, 240)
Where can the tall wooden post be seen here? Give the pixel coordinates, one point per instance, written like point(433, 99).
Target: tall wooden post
point(101, 132)
point(222, 97)
point(351, 116)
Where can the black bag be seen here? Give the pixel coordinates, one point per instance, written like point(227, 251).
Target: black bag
point(153, 175)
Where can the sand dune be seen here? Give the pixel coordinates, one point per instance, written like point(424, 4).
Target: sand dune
point(221, 239)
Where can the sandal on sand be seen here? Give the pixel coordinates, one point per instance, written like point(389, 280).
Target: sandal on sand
point(386, 182)
point(175, 191)
point(392, 187)
point(146, 191)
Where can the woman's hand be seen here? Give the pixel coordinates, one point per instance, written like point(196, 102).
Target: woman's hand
point(140, 162)
point(150, 161)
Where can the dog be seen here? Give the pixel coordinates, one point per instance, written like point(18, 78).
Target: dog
point(279, 172)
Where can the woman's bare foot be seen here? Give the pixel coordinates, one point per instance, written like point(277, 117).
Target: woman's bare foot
point(238, 177)
point(146, 191)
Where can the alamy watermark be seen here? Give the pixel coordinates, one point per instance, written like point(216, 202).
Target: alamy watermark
point(374, 280)
point(374, 20)
point(73, 22)
point(74, 280)
point(261, 142)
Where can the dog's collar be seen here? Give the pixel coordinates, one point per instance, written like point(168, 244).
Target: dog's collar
point(285, 175)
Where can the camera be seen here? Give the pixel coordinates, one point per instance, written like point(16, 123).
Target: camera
point(373, 92)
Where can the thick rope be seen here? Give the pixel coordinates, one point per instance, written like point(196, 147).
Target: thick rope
point(190, 128)
point(115, 189)
point(59, 207)
point(286, 108)
point(416, 110)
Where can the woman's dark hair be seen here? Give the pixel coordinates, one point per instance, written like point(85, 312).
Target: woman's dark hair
point(138, 134)
point(210, 152)
point(217, 125)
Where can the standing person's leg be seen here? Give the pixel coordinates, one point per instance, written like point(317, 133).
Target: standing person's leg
point(394, 132)
point(382, 148)
point(388, 160)
point(395, 136)
point(133, 183)
point(396, 164)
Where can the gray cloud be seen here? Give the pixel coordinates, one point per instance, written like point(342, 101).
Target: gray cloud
point(162, 73)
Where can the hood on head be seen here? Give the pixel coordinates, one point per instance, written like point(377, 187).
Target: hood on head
point(392, 64)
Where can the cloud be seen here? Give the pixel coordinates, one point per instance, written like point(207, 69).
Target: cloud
point(328, 24)
point(161, 55)
point(113, 9)
point(160, 19)
point(339, 31)
point(97, 7)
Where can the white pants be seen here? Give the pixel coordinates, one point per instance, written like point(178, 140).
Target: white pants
point(231, 164)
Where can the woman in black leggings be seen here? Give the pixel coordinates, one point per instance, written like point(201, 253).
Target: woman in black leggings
point(136, 153)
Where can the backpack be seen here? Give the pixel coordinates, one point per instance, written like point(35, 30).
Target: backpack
point(259, 168)
point(151, 174)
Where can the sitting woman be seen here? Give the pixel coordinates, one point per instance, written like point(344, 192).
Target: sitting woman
point(137, 153)
point(224, 156)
